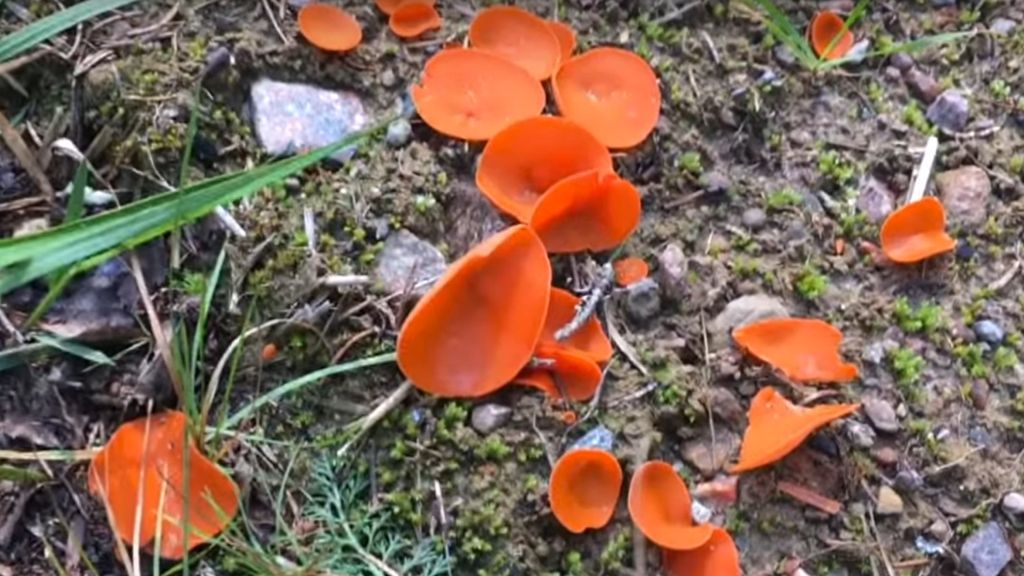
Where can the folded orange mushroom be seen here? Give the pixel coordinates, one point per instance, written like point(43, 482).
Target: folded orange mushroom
point(660, 506)
point(823, 29)
point(149, 453)
point(803, 349)
point(525, 159)
point(566, 38)
point(584, 488)
point(389, 7)
point(472, 95)
point(590, 339)
point(329, 28)
point(612, 92)
point(586, 211)
point(570, 371)
point(413, 18)
point(777, 426)
point(630, 270)
point(519, 37)
point(916, 232)
point(717, 557)
point(480, 323)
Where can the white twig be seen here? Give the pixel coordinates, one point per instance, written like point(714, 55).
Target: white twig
point(229, 222)
point(345, 280)
point(588, 305)
point(924, 171)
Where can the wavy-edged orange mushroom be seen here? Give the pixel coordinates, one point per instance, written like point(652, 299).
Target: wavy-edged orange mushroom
point(630, 270)
point(777, 426)
point(718, 557)
point(584, 488)
point(660, 506)
point(390, 6)
point(566, 38)
point(473, 95)
point(586, 211)
point(150, 453)
point(916, 232)
point(522, 161)
point(329, 28)
point(519, 37)
point(803, 349)
point(413, 18)
point(611, 91)
point(589, 339)
point(823, 29)
point(480, 323)
point(576, 372)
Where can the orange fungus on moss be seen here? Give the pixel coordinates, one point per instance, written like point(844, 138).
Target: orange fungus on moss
point(586, 211)
point(916, 232)
point(630, 270)
point(660, 506)
point(329, 28)
point(389, 7)
point(565, 370)
point(804, 349)
point(718, 557)
point(519, 37)
point(584, 488)
point(413, 18)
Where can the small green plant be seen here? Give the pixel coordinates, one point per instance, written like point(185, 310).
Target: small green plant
point(811, 284)
point(1016, 165)
point(834, 168)
point(972, 359)
point(999, 89)
point(492, 448)
point(1004, 359)
point(914, 117)
point(690, 163)
point(926, 318)
point(573, 563)
point(781, 199)
point(907, 367)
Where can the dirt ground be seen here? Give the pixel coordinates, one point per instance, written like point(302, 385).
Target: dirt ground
point(762, 179)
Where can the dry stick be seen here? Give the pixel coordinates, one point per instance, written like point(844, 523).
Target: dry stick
point(924, 171)
point(378, 414)
point(588, 306)
point(639, 540)
point(706, 376)
point(273, 21)
point(162, 344)
point(25, 157)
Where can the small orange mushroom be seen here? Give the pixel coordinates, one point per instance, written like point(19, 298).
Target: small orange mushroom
point(660, 506)
point(589, 339)
point(144, 464)
point(480, 323)
point(329, 28)
point(824, 28)
point(566, 38)
point(803, 349)
point(522, 161)
point(612, 92)
point(916, 232)
point(586, 211)
point(777, 426)
point(584, 488)
point(576, 372)
point(472, 95)
point(517, 36)
point(413, 18)
point(718, 557)
point(389, 7)
point(630, 270)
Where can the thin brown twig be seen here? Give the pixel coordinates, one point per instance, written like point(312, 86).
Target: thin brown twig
point(20, 150)
point(162, 344)
point(643, 449)
point(273, 22)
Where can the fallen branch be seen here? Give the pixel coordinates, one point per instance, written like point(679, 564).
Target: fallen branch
point(602, 285)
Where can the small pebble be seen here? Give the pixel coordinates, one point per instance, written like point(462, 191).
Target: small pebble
point(949, 111)
point(901, 61)
point(487, 418)
point(908, 480)
point(643, 300)
point(862, 435)
point(715, 183)
point(988, 331)
point(399, 133)
point(1013, 505)
point(986, 552)
point(754, 218)
point(886, 455)
point(924, 87)
point(889, 502)
point(881, 414)
point(388, 78)
point(940, 531)
point(1002, 26)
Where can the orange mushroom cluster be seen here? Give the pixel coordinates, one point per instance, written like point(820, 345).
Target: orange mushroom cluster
point(333, 29)
point(828, 30)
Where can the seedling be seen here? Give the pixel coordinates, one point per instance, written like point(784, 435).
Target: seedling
point(926, 318)
point(811, 284)
point(781, 199)
point(690, 163)
point(907, 367)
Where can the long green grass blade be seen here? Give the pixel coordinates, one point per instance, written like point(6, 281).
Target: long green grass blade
point(42, 30)
point(75, 349)
point(76, 200)
point(783, 29)
point(908, 47)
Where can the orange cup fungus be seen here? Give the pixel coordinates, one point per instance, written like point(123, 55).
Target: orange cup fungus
point(586, 211)
point(573, 372)
point(389, 7)
point(613, 92)
point(824, 28)
point(519, 37)
point(777, 426)
point(916, 232)
point(566, 38)
point(584, 488)
point(589, 339)
point(803, 349)
point(478, 326)
point(143, 466)
point(660, 506)
point(329, 28)
point(630, 270)
point(472, 95)
point(718, 557)
point(522, 161)
point(413, 18)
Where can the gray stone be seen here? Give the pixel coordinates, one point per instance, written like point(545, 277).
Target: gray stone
point(399, 133)
point(965, 192)
point(986, 552)
point(889, 502)
point(949, 111)
point(698, 453)
point(754, 218)
point(487, 418)
point(715, 183)
point(921, 85)
point(862, 435)
point(643, 300)
point(901, 61)
point(599, 437)
point(881, 414)
point(989, 332)
point(784, 55)
point(291, 118)
point(742, 311)
point(908, 480)
point(1013, 505)
point(875, 199)
point(388, 79)
point(406, 261)
point(1002, 25)
point(726, 406)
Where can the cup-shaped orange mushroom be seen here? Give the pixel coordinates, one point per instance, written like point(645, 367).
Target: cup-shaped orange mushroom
point(572, 371)
point(472, 95)
point(478, 326)
point(329, 28)
point(660, 506)
point(803, 349)
point(522, 161)
point(916, 232)
point(414, 17)
point(776, 427)
point(149, 453)
point(586, 211)
point(589, 339)
point(584, 488)
point(389, 7)
point(717, 557)
point(630, 270)
point(823, 29)
point(517, 36)
point(566, 38)
point(612, 92)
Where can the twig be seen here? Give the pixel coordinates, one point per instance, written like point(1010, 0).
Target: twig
point(588, 306)
point(17, 146)
point(162, 344)
point(273, 21)
point(344, 280)
point(625, 347)
point(924, 171)
point(15, 514)
point(12, 65)
point(678, 12)
point(711, 46)
point(543, 440)
point(6, 324)
point(378, 414)
point(639, 540)
point(706, 377)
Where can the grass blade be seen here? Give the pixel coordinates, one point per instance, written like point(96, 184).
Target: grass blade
point(42, 30)
point(908, 47)
point(75, 349)
point(783, 29)
point(76, 201)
